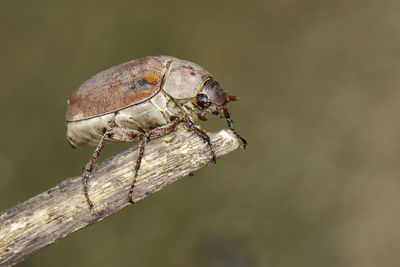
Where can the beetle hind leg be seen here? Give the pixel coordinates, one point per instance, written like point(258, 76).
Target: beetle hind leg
point(117, 133)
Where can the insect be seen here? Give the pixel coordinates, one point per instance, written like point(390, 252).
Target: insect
point(140, 100)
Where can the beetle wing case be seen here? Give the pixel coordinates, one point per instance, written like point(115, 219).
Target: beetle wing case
point(118, 87)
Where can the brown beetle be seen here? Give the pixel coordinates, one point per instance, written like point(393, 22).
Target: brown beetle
point(144, 98)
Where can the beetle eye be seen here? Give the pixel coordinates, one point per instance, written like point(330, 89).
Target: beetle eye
point(203, 101)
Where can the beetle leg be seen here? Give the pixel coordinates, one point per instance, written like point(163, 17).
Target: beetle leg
point(204, 136)
point(117, 133)
point(230, 125)
point(89, 167)
point(154, 133)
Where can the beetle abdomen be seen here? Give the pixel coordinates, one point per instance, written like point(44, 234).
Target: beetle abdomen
point(157, 111)
point(118, 87)
point(88, 132)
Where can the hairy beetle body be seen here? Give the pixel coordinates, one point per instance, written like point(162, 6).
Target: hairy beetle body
point(132, 97)
point(143, 99)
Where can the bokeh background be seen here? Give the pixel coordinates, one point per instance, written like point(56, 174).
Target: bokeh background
point(320, 107)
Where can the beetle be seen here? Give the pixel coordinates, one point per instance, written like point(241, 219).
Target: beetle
point(140, 100)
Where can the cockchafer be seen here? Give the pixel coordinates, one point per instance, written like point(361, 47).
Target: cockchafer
point(143, 99)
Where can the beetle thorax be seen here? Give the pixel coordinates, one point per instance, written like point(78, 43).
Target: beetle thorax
point(189, 108)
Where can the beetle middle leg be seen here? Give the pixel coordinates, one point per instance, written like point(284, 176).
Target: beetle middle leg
point(117, 133)
point(204, 136)
point(154, 133)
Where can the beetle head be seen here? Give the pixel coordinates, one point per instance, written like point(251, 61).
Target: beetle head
point(213, 99)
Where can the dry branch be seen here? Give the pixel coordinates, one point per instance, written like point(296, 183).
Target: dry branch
point(62, 210)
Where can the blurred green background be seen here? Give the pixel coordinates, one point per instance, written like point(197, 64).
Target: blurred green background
point(319, 104)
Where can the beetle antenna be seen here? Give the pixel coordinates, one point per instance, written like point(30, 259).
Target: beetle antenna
point(233, 98)
point(230, 124)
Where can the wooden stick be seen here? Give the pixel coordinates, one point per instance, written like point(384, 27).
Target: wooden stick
point(62, 210)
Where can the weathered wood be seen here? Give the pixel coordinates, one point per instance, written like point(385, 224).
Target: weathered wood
point(62, 210)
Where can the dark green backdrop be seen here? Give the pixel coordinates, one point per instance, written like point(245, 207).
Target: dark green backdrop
point(320, 107)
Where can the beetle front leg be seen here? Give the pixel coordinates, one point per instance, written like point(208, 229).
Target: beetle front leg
point(117, 133)
point(204, 136)
point(154, 133)
point(230, 125)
